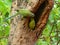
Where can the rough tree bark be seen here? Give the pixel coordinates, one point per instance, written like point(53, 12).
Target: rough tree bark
point(20, 33)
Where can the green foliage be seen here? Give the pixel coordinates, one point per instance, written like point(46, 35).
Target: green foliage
point(5, 6)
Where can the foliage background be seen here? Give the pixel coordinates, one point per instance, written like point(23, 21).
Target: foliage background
point(51, 33)
point(5, 6)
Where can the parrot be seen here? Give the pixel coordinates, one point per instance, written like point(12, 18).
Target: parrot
point(25, 13)
point(32, 23)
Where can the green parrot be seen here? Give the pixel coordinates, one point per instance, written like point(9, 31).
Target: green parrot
point(25, 13)
point(32, 23)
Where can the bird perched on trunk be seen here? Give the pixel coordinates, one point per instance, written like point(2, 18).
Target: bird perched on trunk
point(25, 13)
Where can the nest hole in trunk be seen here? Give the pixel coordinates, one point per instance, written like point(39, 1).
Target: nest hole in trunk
point(40, 10)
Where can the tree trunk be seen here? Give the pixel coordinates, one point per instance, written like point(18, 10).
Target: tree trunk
point(20, 33)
